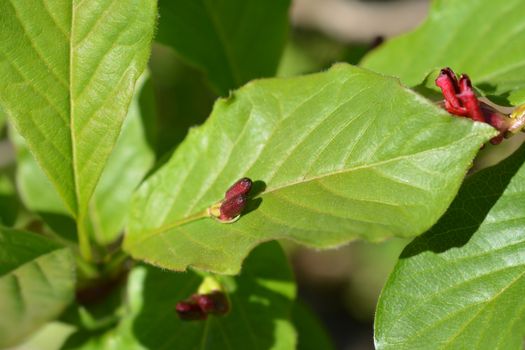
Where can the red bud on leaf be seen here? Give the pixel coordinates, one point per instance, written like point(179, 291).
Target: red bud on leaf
point(235, 199)
point(231, 208)
point(241, 187)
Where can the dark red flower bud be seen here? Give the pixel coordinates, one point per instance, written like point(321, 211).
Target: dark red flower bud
point(190, 311)
point(461, 100)
point(231, 208)
point(469, 99)
point(449, 86)
point(214, 303)
point(241, 187)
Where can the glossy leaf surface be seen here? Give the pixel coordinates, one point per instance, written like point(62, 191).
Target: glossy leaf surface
point(461, 285)
point(341, 154)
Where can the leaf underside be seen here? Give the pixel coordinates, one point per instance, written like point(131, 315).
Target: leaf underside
point(37, 279)
point(68, 71)
point(461, 285)
point(484, 39)
point(342, 154)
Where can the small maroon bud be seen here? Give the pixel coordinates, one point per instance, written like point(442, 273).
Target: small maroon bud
point(231, 208)
point(214, 303)
point(190, 311)
point(243, 186)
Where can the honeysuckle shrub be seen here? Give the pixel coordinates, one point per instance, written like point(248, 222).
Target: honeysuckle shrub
point(115, 245)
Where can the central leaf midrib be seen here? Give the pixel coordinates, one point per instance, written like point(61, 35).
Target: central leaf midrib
point(166, 227)
point(71, 117)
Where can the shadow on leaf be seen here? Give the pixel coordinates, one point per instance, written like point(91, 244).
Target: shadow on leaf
point(477, 196)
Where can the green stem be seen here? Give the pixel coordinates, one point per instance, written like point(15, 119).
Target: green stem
point(83, 240)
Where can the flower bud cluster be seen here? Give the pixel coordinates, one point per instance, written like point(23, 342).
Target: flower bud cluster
point(460, 99)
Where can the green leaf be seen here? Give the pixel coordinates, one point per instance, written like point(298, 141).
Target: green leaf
point(36, 191)
point(461, 285)
point(482, 38)
point(261, 303)
point(50, 337)
point(37, 278)
point(232, 41)
point(38, 194)
point(68, 71)
point(129, 162)
point(310, 333)
point(342, 154)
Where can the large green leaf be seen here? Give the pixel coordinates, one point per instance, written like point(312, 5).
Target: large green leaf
point(131, 158)
point(342, 154)
point(37, 279)
point(461, 285)
point(68, 71)
point(232, 41)
point(261, 305)
point(129, 162)
point(482, 38)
